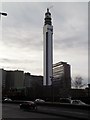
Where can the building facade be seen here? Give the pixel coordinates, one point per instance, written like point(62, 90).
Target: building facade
point(27, 80)
point(62, 78)
point(2, 78)
point(48, 48)
point(33, 86)
point(31, 80)
point(14, 79)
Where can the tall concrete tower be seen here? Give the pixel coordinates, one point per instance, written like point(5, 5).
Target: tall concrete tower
point(48, 49)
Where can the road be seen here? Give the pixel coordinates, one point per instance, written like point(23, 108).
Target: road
point(13, 111)
point(70, 112)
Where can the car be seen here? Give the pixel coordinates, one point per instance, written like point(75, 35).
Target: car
point(78, 102)
point(39, 101)
point(7, 100)
point(65, 100)
point(29, 105)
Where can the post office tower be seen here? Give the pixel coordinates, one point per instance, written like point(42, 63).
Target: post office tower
point(48, 49)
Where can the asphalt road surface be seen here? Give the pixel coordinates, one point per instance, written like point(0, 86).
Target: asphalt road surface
point(13, 111)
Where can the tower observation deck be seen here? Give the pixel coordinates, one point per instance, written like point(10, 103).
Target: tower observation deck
point(48, 18)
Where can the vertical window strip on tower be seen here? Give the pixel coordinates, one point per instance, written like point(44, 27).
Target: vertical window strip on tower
point(46, 58)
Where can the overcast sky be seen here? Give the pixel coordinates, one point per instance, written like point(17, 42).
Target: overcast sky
point(21, 46)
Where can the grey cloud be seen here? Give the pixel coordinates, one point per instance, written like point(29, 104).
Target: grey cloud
point(29, 17)
point(16, 61)
point(71, 42)
point(21, 14)
point(23, 39)
point(21, 21)
point(73, 23)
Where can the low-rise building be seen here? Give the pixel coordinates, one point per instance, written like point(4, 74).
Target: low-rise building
point(14, 79)
point(31, 80)
point(33, 85)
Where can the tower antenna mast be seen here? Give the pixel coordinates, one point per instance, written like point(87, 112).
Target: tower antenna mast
point(50, 7)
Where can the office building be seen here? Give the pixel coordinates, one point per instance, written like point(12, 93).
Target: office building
point(62, 75)
point(62, 78)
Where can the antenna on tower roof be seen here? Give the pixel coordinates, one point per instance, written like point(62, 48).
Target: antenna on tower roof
point(50, 7)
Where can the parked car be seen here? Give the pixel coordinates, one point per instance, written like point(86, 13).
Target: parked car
point(39, 101)
point(7, 100)
point(78, 102)
point(30, 105)
point(65, 100)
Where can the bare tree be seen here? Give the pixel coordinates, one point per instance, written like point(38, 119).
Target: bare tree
point(77, 82)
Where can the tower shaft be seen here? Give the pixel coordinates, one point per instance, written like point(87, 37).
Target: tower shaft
point(48, 49)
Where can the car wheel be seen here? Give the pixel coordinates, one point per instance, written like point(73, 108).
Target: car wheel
point(21, 107)
point(35, 108)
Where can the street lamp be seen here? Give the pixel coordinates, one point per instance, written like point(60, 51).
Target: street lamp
point(3, 13)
